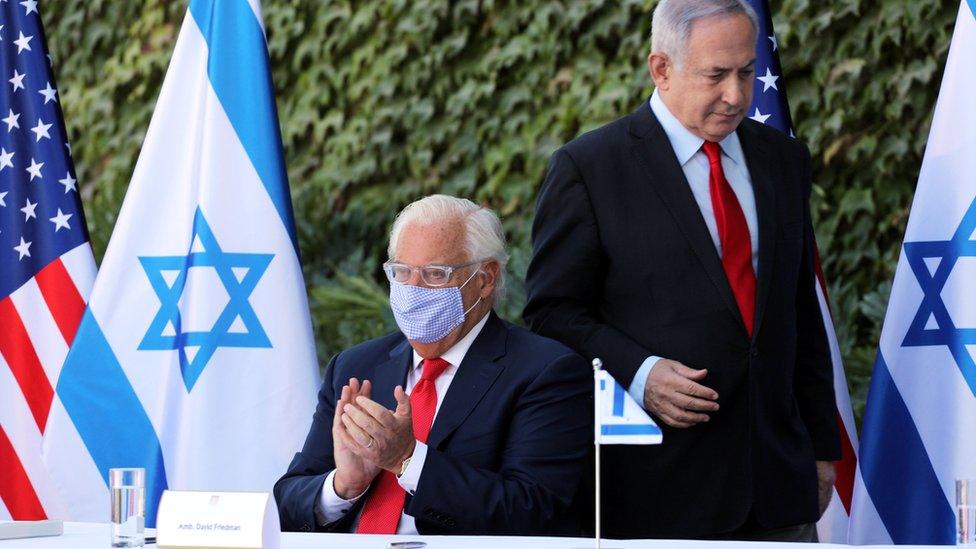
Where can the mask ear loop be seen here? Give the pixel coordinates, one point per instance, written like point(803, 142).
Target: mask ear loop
point(473, 306)
point(479, 271)
point(465, 284)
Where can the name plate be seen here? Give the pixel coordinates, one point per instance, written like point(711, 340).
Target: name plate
point(226, 520)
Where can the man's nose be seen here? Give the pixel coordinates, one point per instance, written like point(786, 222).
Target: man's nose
point(415, 278)
point(735, 92)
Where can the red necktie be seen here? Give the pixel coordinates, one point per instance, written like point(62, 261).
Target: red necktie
point(733, 232)
point(382, 511)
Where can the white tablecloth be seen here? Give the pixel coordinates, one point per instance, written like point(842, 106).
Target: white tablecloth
point(83, 535)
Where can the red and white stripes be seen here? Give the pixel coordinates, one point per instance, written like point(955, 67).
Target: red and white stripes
point(832, 527)
point(37, 324)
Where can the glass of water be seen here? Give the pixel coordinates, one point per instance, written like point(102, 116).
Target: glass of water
point(966, 513)
point(128, 496)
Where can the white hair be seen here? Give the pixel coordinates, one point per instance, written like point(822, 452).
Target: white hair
point(673, 19)
point(484, 237)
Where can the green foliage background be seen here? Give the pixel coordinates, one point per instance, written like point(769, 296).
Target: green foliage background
point(384, 101)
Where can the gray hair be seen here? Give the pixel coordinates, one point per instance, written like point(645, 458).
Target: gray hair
point(484, 237)
point(673, 19)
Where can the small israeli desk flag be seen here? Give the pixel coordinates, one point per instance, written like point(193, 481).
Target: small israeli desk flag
point(618, 419)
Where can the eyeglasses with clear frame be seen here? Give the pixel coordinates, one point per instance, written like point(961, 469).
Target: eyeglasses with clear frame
point(433, 275)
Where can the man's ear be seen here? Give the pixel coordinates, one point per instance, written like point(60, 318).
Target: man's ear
point(490, 271)
point(660, 66)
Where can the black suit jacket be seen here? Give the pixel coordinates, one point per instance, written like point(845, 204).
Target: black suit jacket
point(624, 268)
point(505, 452)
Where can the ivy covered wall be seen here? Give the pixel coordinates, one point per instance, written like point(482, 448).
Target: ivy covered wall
point(384, 101)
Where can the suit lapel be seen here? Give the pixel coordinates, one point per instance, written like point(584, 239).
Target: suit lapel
point(392, 373)
point(763, 185)
point(653, 148)
point(475, 375)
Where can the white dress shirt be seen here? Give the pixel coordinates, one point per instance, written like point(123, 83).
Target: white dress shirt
point(694, 162)
point(331, 507)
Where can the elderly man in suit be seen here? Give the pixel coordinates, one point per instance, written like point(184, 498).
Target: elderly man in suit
point(676, 245)
point(460, 423)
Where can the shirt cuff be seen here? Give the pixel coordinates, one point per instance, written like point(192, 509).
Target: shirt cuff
point(636, 388)
point(331, 507)
point(411, 477)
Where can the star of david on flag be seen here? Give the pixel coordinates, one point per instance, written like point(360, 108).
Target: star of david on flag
point(195, 358)
point(237, 325)
point(933, 325)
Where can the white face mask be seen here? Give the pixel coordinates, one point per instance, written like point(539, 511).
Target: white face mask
point(425, 314)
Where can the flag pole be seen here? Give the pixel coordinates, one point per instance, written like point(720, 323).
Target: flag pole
point(597, 366)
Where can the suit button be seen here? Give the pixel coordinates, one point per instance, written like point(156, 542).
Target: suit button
point(754, 352)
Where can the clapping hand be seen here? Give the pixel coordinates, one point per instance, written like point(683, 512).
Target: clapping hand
point(378, 435)
point(353, 473)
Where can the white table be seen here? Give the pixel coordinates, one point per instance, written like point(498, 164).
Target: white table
point(84, 535)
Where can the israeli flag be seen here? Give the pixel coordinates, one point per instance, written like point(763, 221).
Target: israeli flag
point(920, 420)
point(195, 357)
point(619, 420)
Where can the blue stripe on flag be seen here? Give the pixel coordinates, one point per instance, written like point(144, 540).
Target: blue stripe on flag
point(239, 71)
point(899, 475)
point(629, 430)
point(107, 413)
point(972, 7)
point(618, 400)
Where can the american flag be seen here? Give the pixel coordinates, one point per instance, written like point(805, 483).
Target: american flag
point(46, 264)
point(770, 107)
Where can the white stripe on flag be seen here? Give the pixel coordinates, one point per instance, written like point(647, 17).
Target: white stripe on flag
point(83, 490)
point(946, 386)
point(18, 423)
point(832, 526)
point(867, 526)
point(41, 328)
point(841, 393)
point(80, 264)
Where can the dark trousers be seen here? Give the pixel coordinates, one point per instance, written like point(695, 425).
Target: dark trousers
point(751, 530)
